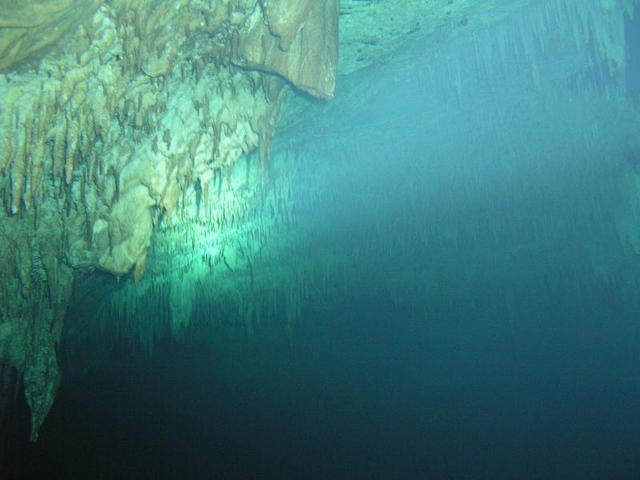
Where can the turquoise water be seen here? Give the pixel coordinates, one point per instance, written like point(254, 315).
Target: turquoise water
point(481, 198)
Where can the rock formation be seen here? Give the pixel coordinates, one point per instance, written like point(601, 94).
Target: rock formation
point(111, 113)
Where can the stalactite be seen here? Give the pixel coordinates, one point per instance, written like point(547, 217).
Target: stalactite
point(36, 164)
point(139, 268)
point(19, 167)
point(6, 148)
point(73, 132)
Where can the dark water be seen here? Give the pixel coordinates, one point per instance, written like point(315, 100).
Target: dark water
point(369, 391)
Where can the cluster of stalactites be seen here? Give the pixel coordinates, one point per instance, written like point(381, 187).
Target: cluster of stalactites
point(106, 132)
point(57, 117)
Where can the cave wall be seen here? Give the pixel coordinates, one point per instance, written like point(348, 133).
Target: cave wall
point(110, 113)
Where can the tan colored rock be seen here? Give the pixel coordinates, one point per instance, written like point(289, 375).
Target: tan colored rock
point(295, 39)
point(124, 106)
point(286, 18)
point(28, 29)
point(124, 239)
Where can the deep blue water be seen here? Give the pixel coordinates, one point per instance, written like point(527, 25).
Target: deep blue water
point(368, 391)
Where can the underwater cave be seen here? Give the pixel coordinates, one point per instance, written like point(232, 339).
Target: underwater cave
point(357, 239)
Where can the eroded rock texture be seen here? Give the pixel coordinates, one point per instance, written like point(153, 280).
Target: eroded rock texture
point(111, 112)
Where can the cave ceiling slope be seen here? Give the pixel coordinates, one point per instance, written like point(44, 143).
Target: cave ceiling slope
point(111, 112)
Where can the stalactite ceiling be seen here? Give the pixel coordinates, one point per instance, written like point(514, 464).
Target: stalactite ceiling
point(121, 122)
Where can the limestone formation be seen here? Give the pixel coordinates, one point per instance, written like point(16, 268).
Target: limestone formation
point(28, 30)
point(111, 112)
point(280, 39)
